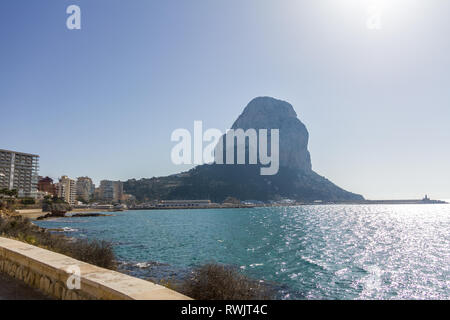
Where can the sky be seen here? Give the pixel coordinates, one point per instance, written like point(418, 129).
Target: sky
point(103, 101)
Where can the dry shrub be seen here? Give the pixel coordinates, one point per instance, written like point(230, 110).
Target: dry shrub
point(214, 281)
point(99, 253)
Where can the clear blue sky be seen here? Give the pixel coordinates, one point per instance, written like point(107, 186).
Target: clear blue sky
point(103, 101)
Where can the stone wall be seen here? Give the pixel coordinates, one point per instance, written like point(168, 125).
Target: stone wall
point(49, 272)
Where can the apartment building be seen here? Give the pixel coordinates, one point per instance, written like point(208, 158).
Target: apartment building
point(19, 171)
point(85, 188)
point(47, 186)
point(66, 189)
point(111, 191)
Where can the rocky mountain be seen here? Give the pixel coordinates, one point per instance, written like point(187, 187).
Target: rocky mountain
point(270, 113)
point(295, 178)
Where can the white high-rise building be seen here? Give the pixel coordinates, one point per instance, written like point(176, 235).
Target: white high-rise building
point(66, 189)
point(19, 171)
point(111, 191)
point(85, 188)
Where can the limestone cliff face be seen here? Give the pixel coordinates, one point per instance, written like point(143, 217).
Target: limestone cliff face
point(270, 113)
point(295, 178)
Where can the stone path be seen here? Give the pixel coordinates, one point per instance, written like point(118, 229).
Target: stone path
point(12, 289)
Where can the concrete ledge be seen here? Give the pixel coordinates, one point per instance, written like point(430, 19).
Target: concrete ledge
point(49, 272)
point(28, 211)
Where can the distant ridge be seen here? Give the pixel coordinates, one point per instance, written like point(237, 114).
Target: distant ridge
point(294, 180)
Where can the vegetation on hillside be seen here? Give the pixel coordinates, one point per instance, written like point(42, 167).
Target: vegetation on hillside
point(55, 205)
point(244, 182)
point(8, 193)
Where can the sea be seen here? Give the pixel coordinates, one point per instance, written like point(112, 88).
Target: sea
point(303, 252)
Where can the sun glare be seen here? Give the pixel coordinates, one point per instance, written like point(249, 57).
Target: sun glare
point(381, 13)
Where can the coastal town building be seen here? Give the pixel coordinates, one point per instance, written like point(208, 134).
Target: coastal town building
point(97, 193)
point(111, 191)
point(128, 198)
point(66, 190)
point(183, 203)
point(47, 186)
point(19, 171)
point(85, 188)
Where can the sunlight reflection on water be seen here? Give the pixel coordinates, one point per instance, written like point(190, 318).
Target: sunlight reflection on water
point(314, 252)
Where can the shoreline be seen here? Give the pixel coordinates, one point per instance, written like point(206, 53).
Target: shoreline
point(34, 214)
point(366, 202)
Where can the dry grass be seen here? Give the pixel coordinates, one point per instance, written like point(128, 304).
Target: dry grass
point(99, 253)
point(219, 282)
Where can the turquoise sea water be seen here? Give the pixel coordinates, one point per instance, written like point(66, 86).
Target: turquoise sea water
point(309, 252)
